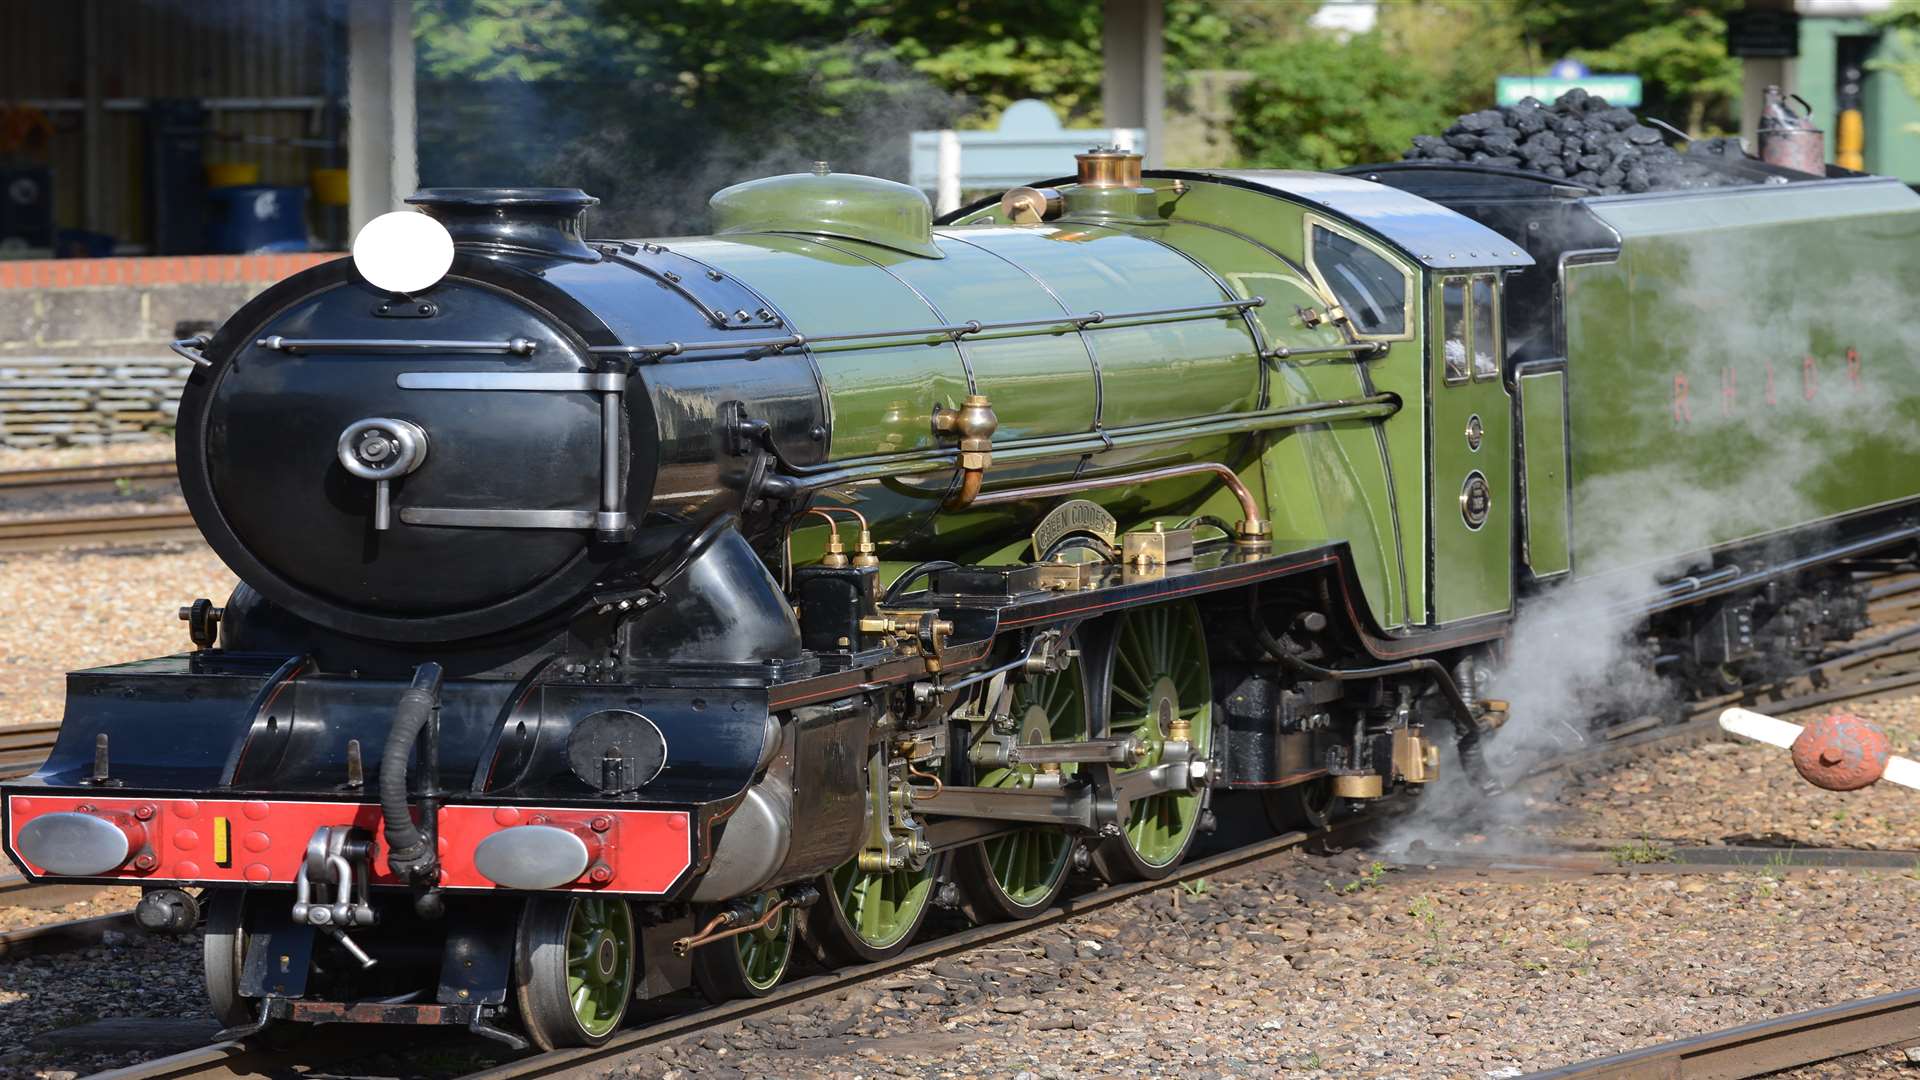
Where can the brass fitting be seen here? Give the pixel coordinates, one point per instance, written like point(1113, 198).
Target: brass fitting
point(1108, 166)
point(973, 424)
point(1253, 532)
point(1031, 205)
point(1416, 759)
point(1181, 730)
point(909, 627)
point(836, 555)
point(864, 555)
point(1359, 786)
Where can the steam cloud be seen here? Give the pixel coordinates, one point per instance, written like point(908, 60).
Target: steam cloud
point(1755, 461)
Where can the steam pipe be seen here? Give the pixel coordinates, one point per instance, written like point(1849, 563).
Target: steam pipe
point(1252, 529)
point(410, 850)
point(1466, 729)
point(913, 573)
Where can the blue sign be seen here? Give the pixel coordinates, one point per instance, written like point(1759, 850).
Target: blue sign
point(1568, 68)
point(1617, 89)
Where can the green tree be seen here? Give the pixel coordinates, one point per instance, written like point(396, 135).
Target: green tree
point(1322, 103)
point(524, 40)
point(653, 104)
point(1677, 47)
point(1901, 24)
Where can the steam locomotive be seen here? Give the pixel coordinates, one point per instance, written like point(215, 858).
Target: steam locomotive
point(619, 616)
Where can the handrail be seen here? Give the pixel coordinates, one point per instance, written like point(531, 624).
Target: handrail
point(190, 348)
point(515, 346)
point(797, 480)
point(1360, 350)
point(953, 331)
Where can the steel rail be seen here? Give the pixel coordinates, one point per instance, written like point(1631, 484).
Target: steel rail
point(74, 478)
point(62, 936)
point(1763, 1047)
point(234, 1059)
point(41, 534)
point(559, 1061)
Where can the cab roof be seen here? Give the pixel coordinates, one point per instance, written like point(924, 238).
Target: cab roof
point(1434, 236)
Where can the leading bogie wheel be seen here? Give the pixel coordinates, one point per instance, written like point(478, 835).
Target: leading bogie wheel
point(224, 954)
point(1158, 687)
point(573, 969)
point(1018, 874)
point(750, 964)
point(1301, 806)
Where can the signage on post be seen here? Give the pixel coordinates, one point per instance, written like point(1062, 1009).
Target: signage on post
point(1617, 89)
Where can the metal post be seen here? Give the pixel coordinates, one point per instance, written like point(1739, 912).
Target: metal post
point(947, 193)
point(380, 108)
point(1133, 89)
point(93, 130)
point(1756, 74)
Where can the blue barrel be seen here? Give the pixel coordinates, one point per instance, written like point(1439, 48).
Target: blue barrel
point(257, 218)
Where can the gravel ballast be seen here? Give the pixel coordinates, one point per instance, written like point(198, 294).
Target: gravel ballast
point(85, 607)
point(1298, 966)
point(156, 448)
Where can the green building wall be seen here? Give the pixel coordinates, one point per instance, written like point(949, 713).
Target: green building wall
point(1892, 115)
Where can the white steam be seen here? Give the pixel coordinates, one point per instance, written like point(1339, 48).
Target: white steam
point(1769, 440)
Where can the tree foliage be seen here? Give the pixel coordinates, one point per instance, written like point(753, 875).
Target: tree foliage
point(1677, 47)
point(1901, 24)
point(1322, 103)
point(653, 104)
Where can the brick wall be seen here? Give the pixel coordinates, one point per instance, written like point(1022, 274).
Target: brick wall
point(83, 342)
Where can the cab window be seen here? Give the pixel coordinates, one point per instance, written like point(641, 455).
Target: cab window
point(1486, 339)
point(1453, 324)
point(1370, 288)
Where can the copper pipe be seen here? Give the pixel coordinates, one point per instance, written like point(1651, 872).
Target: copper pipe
point(864, 554)
point(1253, 529)
point(833, 523)
point(707, 936)
point(938, 787)
point(857, 515)
point(970, 480)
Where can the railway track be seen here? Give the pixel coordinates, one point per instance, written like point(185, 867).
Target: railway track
point(236, 1059)
point(84, 479)
point(1881, 664)
point(43, 534)
point(24, 746)
point(1766, 1046)
point(52, 489)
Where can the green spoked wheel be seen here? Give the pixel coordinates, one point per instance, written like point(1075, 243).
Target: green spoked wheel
point(865, 916)
point(573, 969)
point(1018, 874)
point(749, 964)
point(1159, 683)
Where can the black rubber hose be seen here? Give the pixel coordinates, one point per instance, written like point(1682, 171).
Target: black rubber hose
point(918, 570)
point(1466, 730)
point(409, 852)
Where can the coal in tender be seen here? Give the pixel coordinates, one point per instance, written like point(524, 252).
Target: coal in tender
point(1580, 137)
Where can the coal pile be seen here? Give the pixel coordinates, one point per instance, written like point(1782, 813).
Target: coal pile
point(1579, 138)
